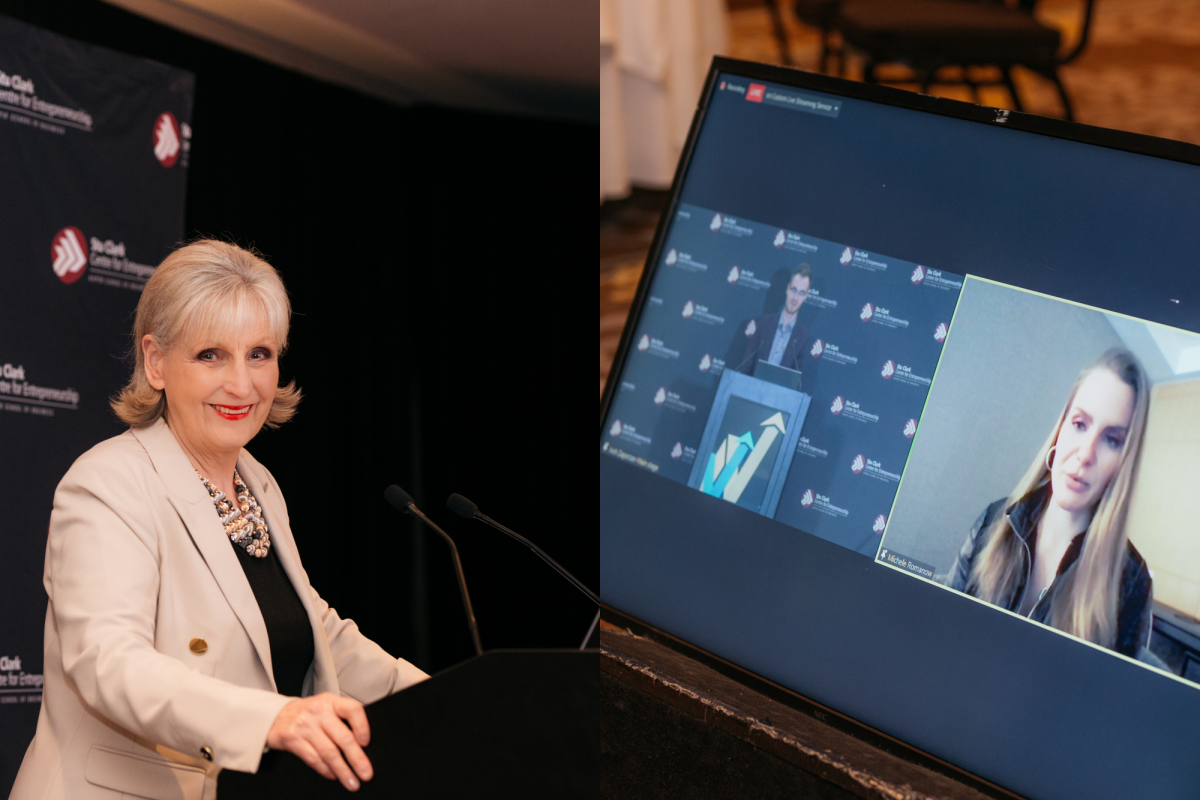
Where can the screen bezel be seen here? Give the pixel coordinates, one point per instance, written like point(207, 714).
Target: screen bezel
point(984, 115)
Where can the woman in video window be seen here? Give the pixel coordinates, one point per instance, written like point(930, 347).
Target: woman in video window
point(1056, 549)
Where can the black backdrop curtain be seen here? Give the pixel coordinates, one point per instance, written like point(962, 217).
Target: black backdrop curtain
point(435, 260)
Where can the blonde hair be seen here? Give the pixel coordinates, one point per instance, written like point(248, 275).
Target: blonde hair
point(1084, 602)
point(204, 286)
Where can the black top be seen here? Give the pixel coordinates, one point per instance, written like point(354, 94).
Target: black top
point(288, 628)
point(1134, 595)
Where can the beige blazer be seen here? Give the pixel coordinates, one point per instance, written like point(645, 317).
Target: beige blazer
point(137, 566)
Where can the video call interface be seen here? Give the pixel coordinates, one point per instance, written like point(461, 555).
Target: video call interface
point(1029, 452)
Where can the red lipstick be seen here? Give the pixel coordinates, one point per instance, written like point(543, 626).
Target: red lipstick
point(232, 412)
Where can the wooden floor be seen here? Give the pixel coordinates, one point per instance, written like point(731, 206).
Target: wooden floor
point(1140, 73)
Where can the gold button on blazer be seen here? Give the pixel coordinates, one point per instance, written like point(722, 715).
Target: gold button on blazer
point(141, 578)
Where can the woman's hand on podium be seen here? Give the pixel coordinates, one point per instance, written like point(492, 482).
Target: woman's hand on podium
point(312, 728)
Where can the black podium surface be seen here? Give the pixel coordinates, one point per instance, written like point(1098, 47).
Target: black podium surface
point(508, 723)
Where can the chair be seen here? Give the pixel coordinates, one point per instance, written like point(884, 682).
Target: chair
point(931, 34)
point(823, 15)
point(775, 9)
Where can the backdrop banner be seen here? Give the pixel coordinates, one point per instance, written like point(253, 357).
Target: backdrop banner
point(93, 164)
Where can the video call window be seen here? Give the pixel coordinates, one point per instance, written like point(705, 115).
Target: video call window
point(1055, 470)
point(1057, 446)
point(806, 360)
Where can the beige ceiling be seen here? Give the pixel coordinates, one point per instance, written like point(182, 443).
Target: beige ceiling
point(534, 57)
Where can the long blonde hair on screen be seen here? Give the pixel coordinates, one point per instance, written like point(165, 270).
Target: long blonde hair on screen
point(203, 287)
point(1084, 601)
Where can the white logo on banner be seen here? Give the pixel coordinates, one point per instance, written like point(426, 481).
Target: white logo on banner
point(751, 328)
point(68, 251)
point(847, 256)
point(867, 312)
point(644, 343)
point(880, 524)
point(839, 403)
point(705, 362)
point(677, 451)
point(889, 369)
point(807, 499)
point(857, 465)
point(615, 430)
point(166, 139)
point(660, 396)
point(689, 308)
point(939, 333)
point(733, 275)
point(817, 348)
point(716, 223)
point(780, 238)
point(910, 428)
point(918, 274)
point(672, 257)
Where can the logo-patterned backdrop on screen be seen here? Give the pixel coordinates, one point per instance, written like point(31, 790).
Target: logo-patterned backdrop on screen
point(869, 335)
point(93, 163)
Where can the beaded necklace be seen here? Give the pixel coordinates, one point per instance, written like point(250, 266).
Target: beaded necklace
point(244, 523)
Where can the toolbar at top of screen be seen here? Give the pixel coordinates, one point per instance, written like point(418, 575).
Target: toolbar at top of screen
point(773, 95)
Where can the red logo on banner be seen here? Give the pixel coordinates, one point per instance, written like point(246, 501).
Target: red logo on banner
point(68, 254)
point(660, 396)
point(733, 276)
point(939, 333)
point(677, 451)
point(755, 93)
point(807, 500)
point(889, 369)
point(880, 524)
point(705, 363)
point(858, 464)
point(867, 312)
point(615, 429)
point(689, 308)
point(817, 348)
point(167, 140)
point(918, 275)
point(838, 404)
point(910, 429)
point(847, 256)
point(644, 343)
point(780, 238)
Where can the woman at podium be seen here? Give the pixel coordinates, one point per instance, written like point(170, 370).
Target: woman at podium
point(182, 635)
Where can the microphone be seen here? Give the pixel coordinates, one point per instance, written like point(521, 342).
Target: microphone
point(465, 508)
point(399, 500)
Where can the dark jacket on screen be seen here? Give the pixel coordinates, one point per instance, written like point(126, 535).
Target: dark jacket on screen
point(1133, 605)
point(747, 351)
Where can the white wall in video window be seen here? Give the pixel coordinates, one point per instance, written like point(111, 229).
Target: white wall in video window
point(1008, 368)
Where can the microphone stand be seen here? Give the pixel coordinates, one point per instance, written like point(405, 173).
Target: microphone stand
point(465, 508)
point(459, 505)
point(400, 500)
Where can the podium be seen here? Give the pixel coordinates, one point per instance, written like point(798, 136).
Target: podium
point(511, 723)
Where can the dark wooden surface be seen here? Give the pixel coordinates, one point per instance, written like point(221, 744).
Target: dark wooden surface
point(673, 726)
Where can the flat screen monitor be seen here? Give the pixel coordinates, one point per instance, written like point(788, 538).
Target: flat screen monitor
point(906, 419)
